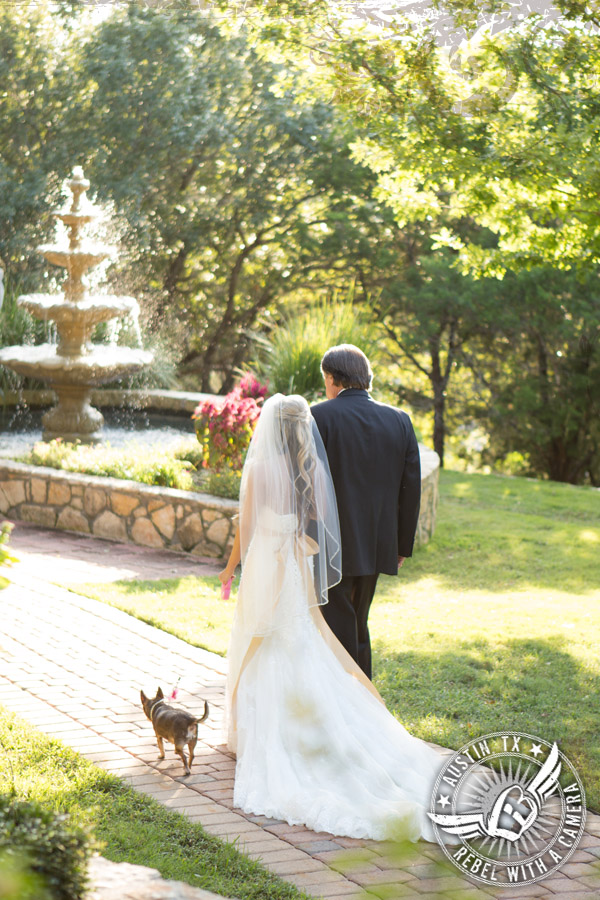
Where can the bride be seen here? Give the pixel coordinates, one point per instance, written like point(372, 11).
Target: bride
point(315, 743)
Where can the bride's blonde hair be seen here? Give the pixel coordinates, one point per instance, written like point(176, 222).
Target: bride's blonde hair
point(296, 429)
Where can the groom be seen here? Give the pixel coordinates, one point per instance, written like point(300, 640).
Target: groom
point(374, 461)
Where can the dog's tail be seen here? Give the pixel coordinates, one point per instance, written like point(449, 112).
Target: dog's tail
point(205, 714)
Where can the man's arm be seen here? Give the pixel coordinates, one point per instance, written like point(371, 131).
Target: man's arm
point(409, 500)
point(320, 418)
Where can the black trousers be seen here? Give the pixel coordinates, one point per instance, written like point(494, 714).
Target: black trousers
point(347, 613)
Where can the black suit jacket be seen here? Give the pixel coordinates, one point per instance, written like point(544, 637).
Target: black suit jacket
point(374, 460)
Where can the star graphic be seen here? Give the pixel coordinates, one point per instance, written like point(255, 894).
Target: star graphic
point(444, 801)
point(536, 749)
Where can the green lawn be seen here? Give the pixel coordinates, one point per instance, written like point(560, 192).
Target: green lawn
point(128, 826)
point(494, 625)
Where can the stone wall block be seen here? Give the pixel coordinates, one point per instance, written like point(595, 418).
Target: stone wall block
point(123, 504)
point(204, 548)
point(155, 504)
point(39, 490)
point(143, 532)
point(14, 491)
point(94, 501)
point(140, 511)
point(73, 520)
point(191, 532)
point(164, 520)
point(38, 515)
point(59, 494)
point(219, 532)
point(210, 515)
point(109, 525)
point(4, 502)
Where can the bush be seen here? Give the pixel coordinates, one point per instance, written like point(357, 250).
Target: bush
point(17, 881)
point(5, 555)
point(223, 484)
point(57, 851)
point(224, 427)
point(250, 387)
point(146, 465)
point(291, 355)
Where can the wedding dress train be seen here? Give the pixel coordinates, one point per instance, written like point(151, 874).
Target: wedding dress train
point(315, 743)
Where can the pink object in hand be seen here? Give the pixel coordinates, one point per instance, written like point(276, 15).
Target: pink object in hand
point(226, 589)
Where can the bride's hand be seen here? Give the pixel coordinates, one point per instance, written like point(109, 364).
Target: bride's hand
point(225, 575)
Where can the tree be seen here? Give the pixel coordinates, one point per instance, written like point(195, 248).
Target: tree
point(232, 192)
point(541, 375)
point(34, 150)
point(431, 313)
point(503, 132)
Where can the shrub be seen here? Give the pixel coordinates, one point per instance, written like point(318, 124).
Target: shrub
point(250, 386)
point(223, 484)
point(291, 355)
point(17, 881)
point(146, 465)
point(224, 427)
point(57, 851)
point(5, 555)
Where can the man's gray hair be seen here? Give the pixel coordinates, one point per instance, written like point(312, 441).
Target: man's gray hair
point(348, 366)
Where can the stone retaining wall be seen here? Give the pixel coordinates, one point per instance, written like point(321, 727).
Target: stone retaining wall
point(430, 476)
point(142, 514)
point(120, 510)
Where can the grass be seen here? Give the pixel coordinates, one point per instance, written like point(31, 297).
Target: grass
point(188, 607)
point(494, 625)
point(128, 826)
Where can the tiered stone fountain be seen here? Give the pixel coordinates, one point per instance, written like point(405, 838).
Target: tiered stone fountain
point(74, 366)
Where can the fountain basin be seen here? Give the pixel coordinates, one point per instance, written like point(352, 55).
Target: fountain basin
point(99, 365)
point(76, 321)
point(76, 260)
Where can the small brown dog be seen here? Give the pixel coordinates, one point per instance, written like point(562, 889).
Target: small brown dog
point(174, 725)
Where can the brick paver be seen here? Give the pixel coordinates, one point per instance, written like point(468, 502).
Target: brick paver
point(74, 668)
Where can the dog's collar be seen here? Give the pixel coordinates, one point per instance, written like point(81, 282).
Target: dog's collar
point(154, 705)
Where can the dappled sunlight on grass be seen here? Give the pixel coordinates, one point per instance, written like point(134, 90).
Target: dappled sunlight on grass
point(511, 533)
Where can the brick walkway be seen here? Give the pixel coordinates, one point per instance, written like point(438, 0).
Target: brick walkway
point(74, 669)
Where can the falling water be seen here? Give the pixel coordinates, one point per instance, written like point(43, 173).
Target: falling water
point(69, 361)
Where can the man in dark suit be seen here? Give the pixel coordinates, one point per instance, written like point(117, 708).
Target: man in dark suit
point(375, 466)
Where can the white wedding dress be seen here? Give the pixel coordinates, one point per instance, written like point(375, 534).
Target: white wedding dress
point(315, 744)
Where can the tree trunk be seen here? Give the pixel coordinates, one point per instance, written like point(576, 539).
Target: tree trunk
point(438, 383)
point(439, 426)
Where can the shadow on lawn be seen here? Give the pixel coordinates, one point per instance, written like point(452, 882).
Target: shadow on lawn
point(532, 686)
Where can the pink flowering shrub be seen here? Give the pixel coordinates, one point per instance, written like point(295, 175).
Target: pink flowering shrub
point(250, 386)
point(224, 427)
